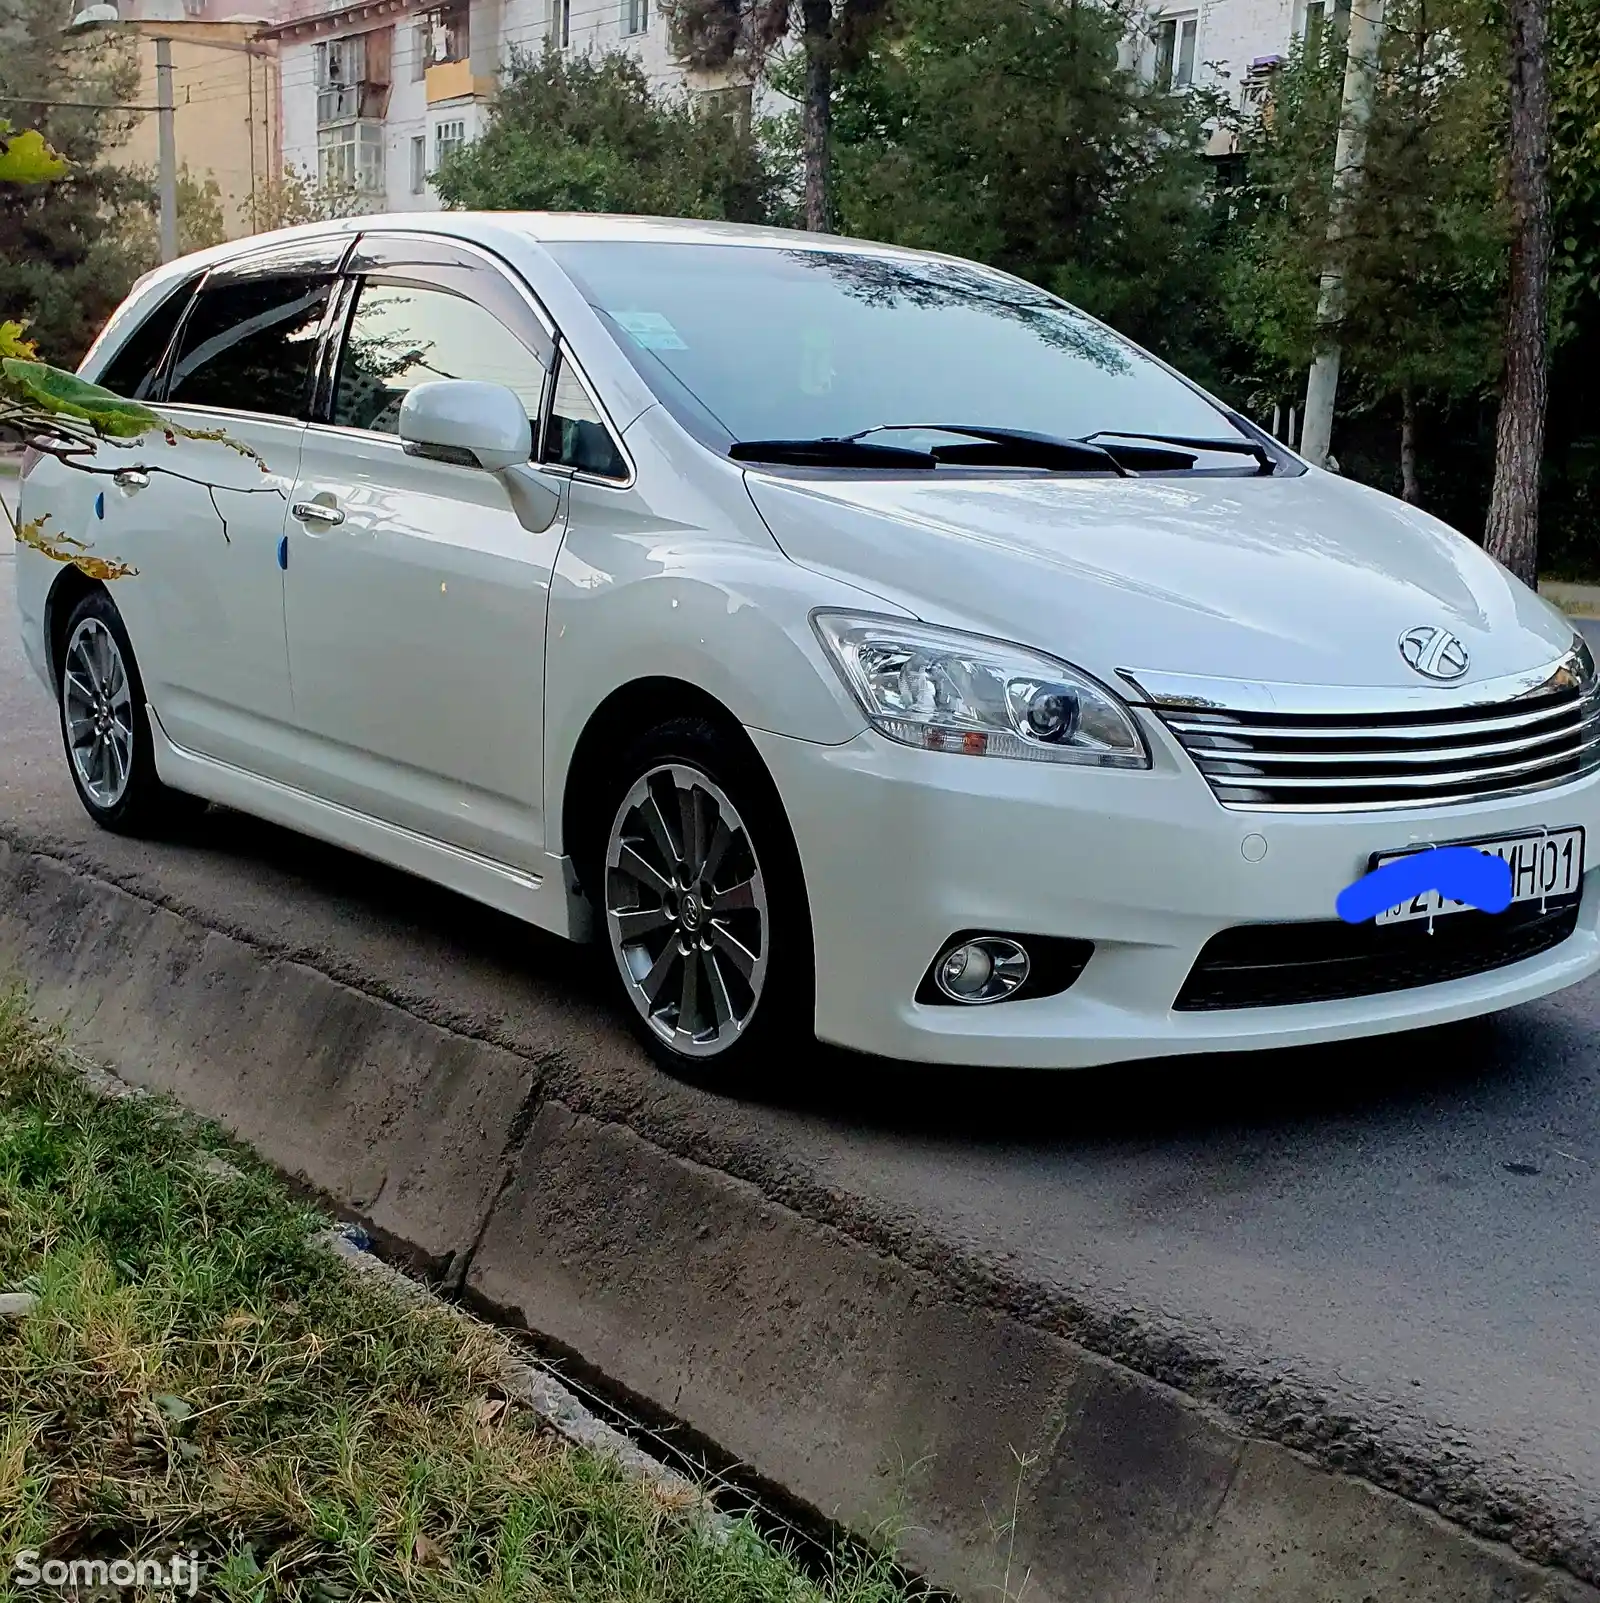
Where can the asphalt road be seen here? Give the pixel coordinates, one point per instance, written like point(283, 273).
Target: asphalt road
point(1387, 1253)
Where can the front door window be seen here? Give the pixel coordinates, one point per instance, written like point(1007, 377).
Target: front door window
point(404, 334)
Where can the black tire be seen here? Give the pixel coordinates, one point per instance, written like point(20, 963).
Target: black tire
point(141, 805)
point(711, 926)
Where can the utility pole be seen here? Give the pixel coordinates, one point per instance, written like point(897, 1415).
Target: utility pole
point(166, 150)
point(1355, 110)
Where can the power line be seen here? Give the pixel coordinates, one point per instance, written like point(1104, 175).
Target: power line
point(71, 105)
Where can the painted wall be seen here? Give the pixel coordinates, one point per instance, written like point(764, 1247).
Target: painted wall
point(226, 116)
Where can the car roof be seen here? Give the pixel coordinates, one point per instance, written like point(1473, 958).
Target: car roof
point(490, 227)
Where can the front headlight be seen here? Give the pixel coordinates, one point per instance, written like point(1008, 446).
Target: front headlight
point(948, 691)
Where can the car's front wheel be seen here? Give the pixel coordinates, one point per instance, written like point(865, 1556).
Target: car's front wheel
point(105, 728)
point(704, 905)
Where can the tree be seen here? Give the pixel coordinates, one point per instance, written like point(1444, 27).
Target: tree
point(1569, 513)
point(57, 412)
point(743, 35)
point(587, 134)
point(1575, 144)
point(1005, 130)
point(296, 196)
point(1422, 238)
point(65, 255)
point(200, 220)
point(1512, 533)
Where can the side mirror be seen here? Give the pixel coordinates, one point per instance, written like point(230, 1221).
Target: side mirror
point(471, 424)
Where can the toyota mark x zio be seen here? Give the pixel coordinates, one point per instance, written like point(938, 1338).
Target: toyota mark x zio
point(847, 638)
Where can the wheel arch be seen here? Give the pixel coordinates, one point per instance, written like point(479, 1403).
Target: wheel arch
point(627, 712)
point(69, 588)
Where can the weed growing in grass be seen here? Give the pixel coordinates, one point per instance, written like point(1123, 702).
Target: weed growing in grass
point(198, 1374)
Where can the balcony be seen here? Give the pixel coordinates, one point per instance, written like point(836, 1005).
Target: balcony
point(453, 80)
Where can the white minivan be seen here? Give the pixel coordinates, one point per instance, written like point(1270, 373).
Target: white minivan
point(855, 641)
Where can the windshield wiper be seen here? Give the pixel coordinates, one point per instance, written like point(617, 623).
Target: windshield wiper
point(1007, 448)
point(831, 453)
point(1263, 456)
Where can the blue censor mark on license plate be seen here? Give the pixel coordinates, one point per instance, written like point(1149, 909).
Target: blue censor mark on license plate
point(1457, 873)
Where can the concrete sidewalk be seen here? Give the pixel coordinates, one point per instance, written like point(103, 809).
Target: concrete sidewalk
point(1579, 600)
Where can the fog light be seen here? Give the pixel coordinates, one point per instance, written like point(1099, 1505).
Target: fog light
point(987, 968)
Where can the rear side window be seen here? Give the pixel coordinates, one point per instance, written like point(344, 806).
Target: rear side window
point(134, 369)
point(250, 346)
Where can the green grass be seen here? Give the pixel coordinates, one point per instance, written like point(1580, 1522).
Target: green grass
point(199, 1374)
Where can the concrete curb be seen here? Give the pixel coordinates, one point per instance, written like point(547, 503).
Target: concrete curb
point(860, 1384)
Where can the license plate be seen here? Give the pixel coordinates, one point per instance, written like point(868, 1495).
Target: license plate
point(1544, 868)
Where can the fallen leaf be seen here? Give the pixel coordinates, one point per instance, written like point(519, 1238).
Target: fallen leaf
point(428, 1552)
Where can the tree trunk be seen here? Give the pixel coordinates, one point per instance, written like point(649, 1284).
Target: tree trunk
point(817, 31)
point(1512, 530)
point(1409, 487)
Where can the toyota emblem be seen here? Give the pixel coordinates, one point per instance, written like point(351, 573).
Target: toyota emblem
point(1434, 652)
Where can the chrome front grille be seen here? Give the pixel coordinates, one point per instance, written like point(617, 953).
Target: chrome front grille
point(1340, 761)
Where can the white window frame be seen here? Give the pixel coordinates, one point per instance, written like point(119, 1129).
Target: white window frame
point(448, 136)
point(419, 164)
point(351, 152)
point(1182, 56)
point(635, 18)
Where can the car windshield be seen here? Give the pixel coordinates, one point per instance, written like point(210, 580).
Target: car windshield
point(769, 343)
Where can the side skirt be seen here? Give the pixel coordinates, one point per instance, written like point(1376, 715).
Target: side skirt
point(547, 899)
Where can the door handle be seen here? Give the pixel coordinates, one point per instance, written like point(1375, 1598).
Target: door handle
point(131, 478)
point(317, 512)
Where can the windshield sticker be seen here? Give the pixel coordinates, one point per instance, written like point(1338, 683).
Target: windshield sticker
point(817, 371)
point(651, 331)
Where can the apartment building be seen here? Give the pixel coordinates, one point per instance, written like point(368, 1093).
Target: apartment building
point(376, 92)
point(1230, 45)
point(225, 94)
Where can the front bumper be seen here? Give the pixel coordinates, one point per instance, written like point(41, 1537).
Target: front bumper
point(903, 848)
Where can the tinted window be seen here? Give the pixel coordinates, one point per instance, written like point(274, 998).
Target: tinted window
point(404, 334)
point(578, 437)
point(135, 367)
point(251, 346)
point(777, 343)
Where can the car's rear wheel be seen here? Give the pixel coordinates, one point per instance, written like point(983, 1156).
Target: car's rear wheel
point(105, 728)
point(703, 903)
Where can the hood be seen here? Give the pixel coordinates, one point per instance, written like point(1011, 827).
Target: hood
point(1307, 580)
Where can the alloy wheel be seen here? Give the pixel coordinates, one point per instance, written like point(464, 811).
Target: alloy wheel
point(97, 707)
point(686, 910)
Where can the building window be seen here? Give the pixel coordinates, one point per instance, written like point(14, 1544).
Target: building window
point(1175, 47)
point(419, 165)
point(1325, 20)
point(566, 23)
point(341, 71)
point(421, 44)
point(448, 137)
point(447, 33)
point(352, 101)
point(734, 102)
point(351, 154)
point(635, 16)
